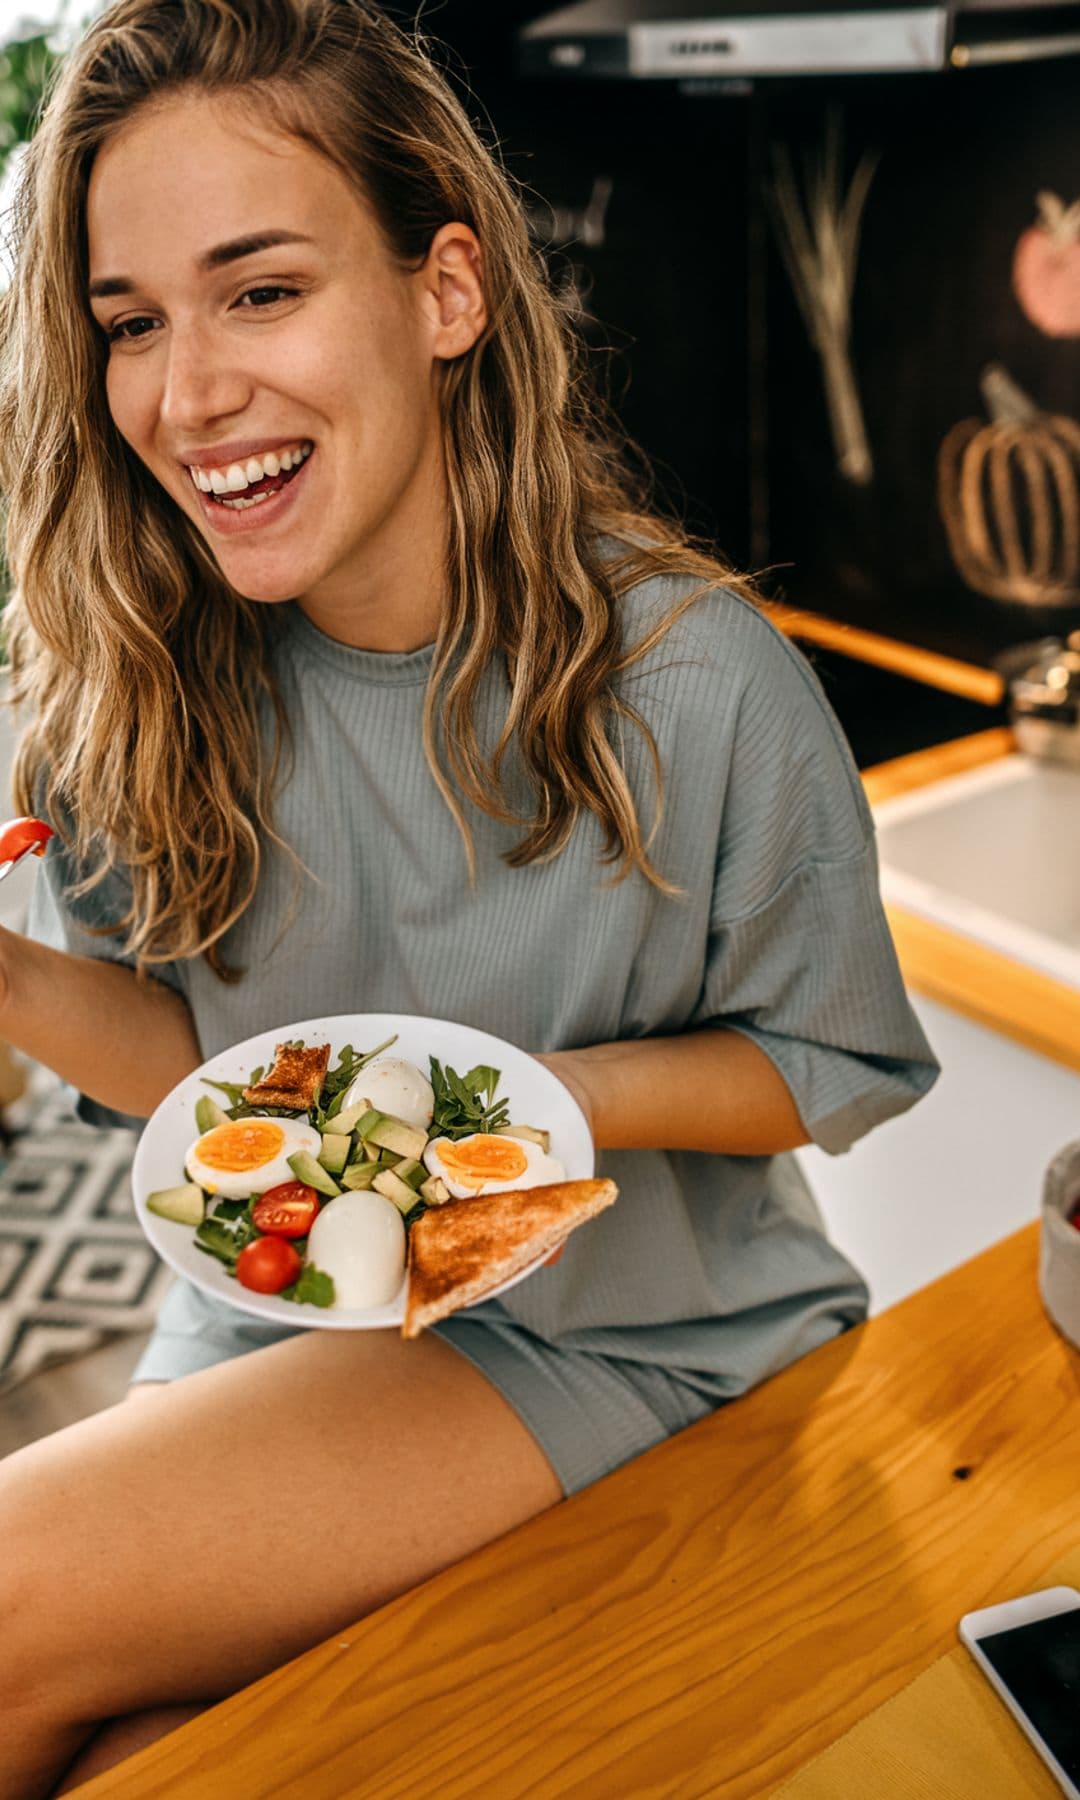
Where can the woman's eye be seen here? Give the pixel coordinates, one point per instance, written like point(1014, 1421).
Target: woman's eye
point(289, 292)
point(120, 331)
point(126, 332)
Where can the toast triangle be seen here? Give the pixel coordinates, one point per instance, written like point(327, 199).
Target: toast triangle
point(460, 1251)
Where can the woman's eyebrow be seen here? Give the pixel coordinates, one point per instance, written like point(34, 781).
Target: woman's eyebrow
point(109, 285)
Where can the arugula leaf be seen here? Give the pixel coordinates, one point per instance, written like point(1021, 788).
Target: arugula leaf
point(460, 1101)
point(239, 1108)
point(311, 1285)
point(217, 1240)
point(466, 1100)
point(233, 1090)
point(483, 1080)
point(229, 1209)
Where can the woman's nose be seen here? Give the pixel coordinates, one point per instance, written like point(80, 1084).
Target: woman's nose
point(201, 382)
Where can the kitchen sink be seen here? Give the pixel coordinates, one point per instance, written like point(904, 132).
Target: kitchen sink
point(993, 854)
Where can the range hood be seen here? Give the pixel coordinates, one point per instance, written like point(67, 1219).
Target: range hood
point(684, 39)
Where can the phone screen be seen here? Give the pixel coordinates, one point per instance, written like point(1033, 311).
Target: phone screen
point(1040, 1665)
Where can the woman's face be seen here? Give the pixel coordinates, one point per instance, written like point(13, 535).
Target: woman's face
point(221, 348)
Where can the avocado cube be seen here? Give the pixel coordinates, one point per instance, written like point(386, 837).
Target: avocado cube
point(312, 1173)
point(403, 1196)
point(412, 1172)
point(335, 1151)
point(360, 1175)
point(350, 1116)
point(185, 1204)
point(208, 1114)
point(530, 1133)
point(394, 1134)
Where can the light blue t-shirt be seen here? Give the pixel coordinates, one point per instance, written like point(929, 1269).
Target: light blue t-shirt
point(715, 1266)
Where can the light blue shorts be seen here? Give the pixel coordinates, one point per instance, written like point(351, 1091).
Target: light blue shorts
point(588, 1413)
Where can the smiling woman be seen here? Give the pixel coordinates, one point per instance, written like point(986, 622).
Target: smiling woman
point(330, 583)
point(343, 320)
point(307, 329)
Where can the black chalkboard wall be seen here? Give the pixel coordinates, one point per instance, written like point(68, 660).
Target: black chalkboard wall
point(706, 356)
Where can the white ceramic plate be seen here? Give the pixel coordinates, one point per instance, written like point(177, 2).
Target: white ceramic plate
point(535, 1095)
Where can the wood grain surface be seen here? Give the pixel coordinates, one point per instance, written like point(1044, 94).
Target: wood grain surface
point(903, 774)
point(1006, 996)
point(996, 991)
point(714, 1614)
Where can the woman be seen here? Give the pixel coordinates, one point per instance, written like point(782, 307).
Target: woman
point(448, 724)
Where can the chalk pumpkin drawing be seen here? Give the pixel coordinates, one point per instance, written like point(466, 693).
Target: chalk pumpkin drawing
point(1009, 495)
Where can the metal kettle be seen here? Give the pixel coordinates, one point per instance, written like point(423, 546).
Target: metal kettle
point(1043, 681)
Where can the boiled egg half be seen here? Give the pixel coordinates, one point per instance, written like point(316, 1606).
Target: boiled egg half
point(247, 1156)
point(359, 1241)
point(486, 1163)
point(395, 1086)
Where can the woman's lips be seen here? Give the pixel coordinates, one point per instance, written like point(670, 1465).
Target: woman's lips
point(231, 520)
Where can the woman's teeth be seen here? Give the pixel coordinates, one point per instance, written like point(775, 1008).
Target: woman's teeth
point(225, 483)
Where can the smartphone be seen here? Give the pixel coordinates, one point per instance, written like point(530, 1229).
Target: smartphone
point(1029, 1651)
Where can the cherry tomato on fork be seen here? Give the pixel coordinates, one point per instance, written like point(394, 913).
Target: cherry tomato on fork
point(23, 834)
point(288, 1210)
point(268, 1265)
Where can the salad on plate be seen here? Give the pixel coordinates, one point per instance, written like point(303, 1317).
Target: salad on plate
point(305, 1182)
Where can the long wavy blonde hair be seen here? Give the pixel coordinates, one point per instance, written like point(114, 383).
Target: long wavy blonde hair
point(132, 653)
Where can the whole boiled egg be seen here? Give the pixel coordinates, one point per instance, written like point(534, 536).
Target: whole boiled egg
point(247, 1156)
point(395, 1086)
point(486, 1163)
point(359, 1241)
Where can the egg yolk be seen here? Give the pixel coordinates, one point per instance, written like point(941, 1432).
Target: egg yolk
point(241, 1145)
point(483, 1158)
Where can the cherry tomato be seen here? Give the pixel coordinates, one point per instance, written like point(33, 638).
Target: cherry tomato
point(287, 1211)
point(268, 1265)
point(23, 834)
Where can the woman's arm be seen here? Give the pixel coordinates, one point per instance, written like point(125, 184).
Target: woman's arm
point(119, 1041)
point(711, 1090)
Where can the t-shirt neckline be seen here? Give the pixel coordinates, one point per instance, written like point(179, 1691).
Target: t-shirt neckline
point(385, 667)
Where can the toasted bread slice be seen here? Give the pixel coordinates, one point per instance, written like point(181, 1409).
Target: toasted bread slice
point(462, 1250)
point(295, 1079)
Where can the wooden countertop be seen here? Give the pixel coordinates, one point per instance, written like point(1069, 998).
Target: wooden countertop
point(996, 991)
point(712, 1616)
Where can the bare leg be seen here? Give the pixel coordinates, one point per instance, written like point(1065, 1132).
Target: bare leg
point(121, 1738)
point(298, 1487)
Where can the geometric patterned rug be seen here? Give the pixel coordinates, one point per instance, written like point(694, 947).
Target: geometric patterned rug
point(75, 1268)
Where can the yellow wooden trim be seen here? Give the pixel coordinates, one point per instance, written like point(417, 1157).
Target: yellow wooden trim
point(985, 686)
point(920, 767)
point(1006, 996)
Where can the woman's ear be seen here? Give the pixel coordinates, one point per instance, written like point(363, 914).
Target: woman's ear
point(452, 278)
